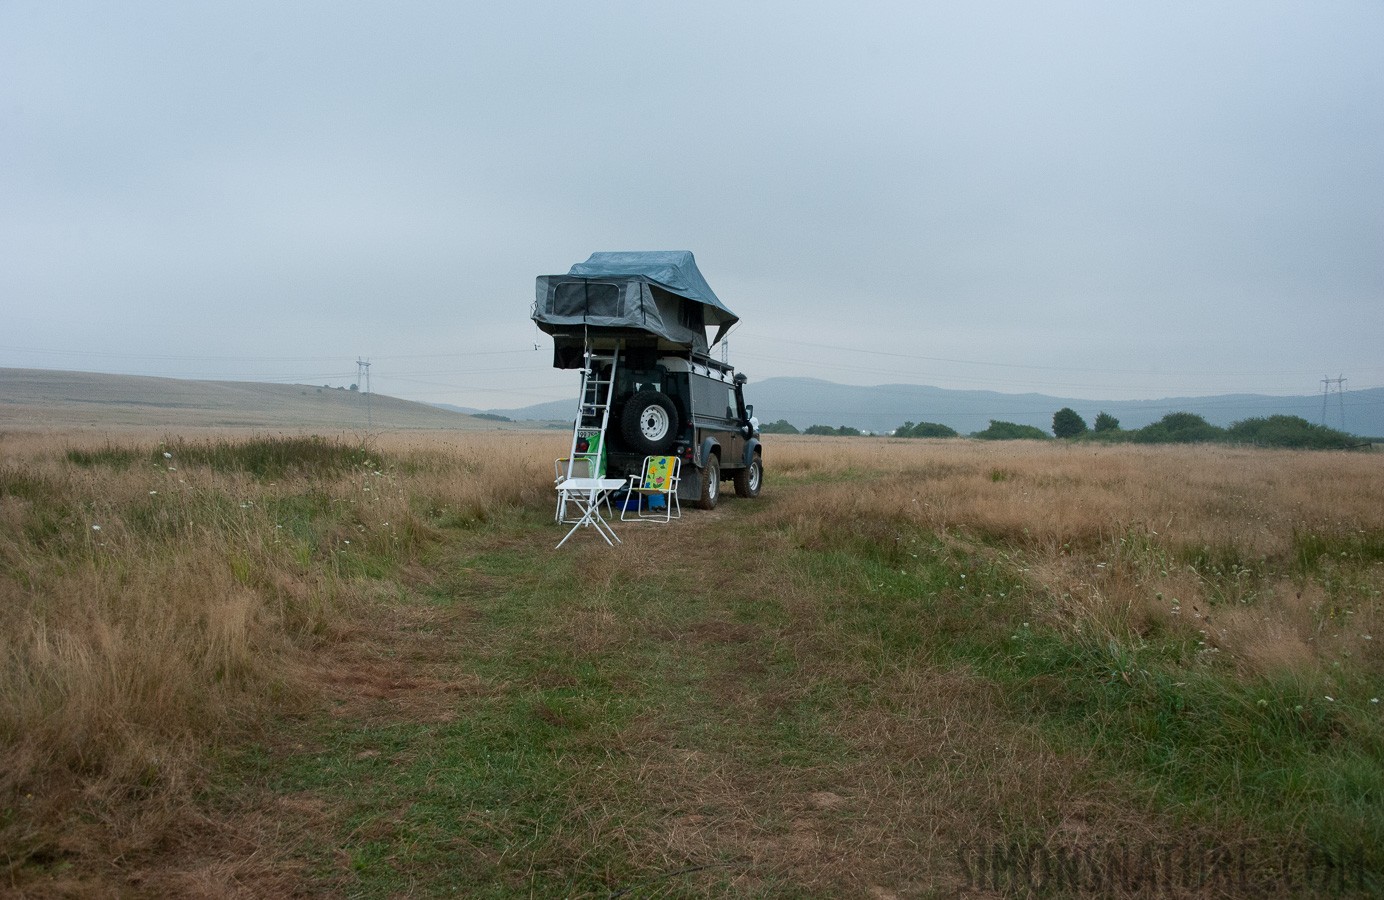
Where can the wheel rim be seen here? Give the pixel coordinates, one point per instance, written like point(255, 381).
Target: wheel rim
point(754, 477)
point(713, 481)
point(653, 423)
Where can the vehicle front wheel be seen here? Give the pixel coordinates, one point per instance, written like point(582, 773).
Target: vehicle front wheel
point(747, 480)
point(711, 483)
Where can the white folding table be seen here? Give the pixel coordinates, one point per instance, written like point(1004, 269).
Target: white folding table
point(585, 494)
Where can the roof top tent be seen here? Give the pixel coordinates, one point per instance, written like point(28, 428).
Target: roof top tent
point(643, 303)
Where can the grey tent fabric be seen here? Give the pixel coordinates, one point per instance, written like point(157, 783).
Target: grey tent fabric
point(675, 270)
point(660, 293)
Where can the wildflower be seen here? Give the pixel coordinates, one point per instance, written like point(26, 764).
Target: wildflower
point(167, 455)
point(96, 528)
point(153, 492)
point(1332, 699)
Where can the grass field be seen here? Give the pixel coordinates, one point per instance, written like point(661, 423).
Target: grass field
point(286, 666)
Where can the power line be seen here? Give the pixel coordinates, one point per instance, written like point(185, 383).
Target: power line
point(977, 362)
point(1029, 383)
point(292, 378)
point(203, 356)
point(168, 356)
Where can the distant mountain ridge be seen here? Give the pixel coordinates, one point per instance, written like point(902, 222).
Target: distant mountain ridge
point(884, 407)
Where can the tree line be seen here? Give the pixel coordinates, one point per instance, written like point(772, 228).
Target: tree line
point(1173, 428)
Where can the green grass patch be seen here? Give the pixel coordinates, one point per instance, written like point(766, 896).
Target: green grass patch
point(17, 481)
point(272, 457)
point(1312, 549)
point(117, 458)
point(1288, 758)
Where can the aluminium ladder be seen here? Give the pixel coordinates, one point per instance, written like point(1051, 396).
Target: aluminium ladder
point(593, 418)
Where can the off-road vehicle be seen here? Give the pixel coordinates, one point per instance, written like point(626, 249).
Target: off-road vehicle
point(643, 317)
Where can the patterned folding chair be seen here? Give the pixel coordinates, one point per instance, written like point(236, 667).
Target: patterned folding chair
point(659, 479)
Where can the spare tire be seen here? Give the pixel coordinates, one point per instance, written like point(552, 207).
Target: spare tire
point(649, 423)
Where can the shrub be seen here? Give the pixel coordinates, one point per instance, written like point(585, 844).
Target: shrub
point(843, 431)
point(1106, 422)
point(1179, 428)
point(782, 426)
point(1010, 431)
point(1288, 431)
point(925, 430)
point(1067, 423)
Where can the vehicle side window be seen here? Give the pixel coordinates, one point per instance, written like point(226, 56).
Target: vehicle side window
point(710, 398)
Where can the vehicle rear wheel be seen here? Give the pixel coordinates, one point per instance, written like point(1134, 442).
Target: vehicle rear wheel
point(711, 482)
point(649, 423)
point(747, 480)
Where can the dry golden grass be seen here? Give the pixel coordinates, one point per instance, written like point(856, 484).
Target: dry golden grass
point(152, 611)
point(1120, 537)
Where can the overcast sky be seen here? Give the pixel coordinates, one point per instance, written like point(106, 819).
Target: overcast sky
point(1103, 200)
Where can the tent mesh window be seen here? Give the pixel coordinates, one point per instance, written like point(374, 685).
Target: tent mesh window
point(579, 298)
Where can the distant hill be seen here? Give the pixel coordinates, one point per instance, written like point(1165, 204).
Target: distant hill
point(33, 398)
point(470, 411)
point(553, 410)
point(882, 408)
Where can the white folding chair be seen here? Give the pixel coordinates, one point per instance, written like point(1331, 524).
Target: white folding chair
point(658, 478)
point(582, 467)
point(586, 494)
